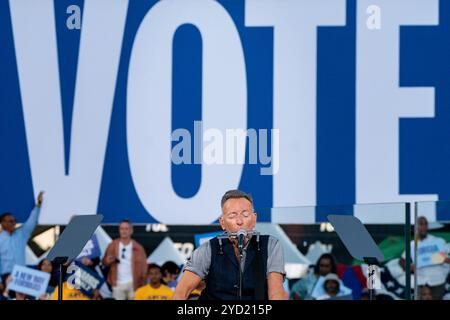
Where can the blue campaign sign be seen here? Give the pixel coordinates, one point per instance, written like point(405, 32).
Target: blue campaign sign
point(29, 281)
point(83, 278)
point(150, 110)
point(91, 250)
point(200, 238)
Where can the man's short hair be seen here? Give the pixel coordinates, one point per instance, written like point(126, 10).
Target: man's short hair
point(235, 194)
point(4, 215)
point(126, 221)
point(423, 218)
point(171, 268)
point(424, 286)
point(153, 266)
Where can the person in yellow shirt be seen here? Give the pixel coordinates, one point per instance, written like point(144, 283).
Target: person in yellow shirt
point(69, 293)
point(154, 290)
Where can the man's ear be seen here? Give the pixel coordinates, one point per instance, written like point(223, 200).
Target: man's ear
point(221, 222)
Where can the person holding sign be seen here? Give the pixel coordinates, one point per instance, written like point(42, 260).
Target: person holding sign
point(81, 283)
point(217, 261)
point(13, 241)
point(69, 293)
point(90, 255)
point(26, 282)
point(46, 265)
point(432, 263)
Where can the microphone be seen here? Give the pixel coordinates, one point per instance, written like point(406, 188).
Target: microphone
point(241, 235)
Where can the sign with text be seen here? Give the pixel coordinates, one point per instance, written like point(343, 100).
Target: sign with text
point(29, 281)
point(150, 110)
point(83, 278)
point(91, 249)
point(430, 252)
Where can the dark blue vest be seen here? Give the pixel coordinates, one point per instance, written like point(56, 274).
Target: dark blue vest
point(223, 277)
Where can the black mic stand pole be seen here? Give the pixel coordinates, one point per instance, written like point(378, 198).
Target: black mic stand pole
point(227, 235)
point(241, 255)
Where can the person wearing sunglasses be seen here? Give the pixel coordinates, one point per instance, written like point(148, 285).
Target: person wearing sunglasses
point(13, 240)
point(127, 261)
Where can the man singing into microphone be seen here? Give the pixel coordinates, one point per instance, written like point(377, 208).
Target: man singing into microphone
point(217, 261)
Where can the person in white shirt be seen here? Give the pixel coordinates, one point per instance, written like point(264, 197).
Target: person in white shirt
point(432, 265)
point(128, 263)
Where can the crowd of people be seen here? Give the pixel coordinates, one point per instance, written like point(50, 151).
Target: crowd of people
point(124, 266)
point(125, 274)
point(328, 279)
point(129, 277)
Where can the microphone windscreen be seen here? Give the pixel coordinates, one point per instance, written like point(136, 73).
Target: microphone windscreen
point(241, 232)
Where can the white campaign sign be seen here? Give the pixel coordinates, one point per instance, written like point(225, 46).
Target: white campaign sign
point(29, 281)
point(430, 252)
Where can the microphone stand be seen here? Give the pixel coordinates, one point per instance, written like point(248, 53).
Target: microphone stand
point(241, 275)
point(227, 235)
point(59, 261)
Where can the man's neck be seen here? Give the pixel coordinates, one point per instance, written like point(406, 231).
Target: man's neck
point(155, 285)
point(423, 237)
point(234, 241)
point(125, 241)
point(10, 232)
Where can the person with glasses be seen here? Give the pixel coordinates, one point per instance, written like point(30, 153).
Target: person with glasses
point(13, 240)
point(217, 261)
point(127, 261)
